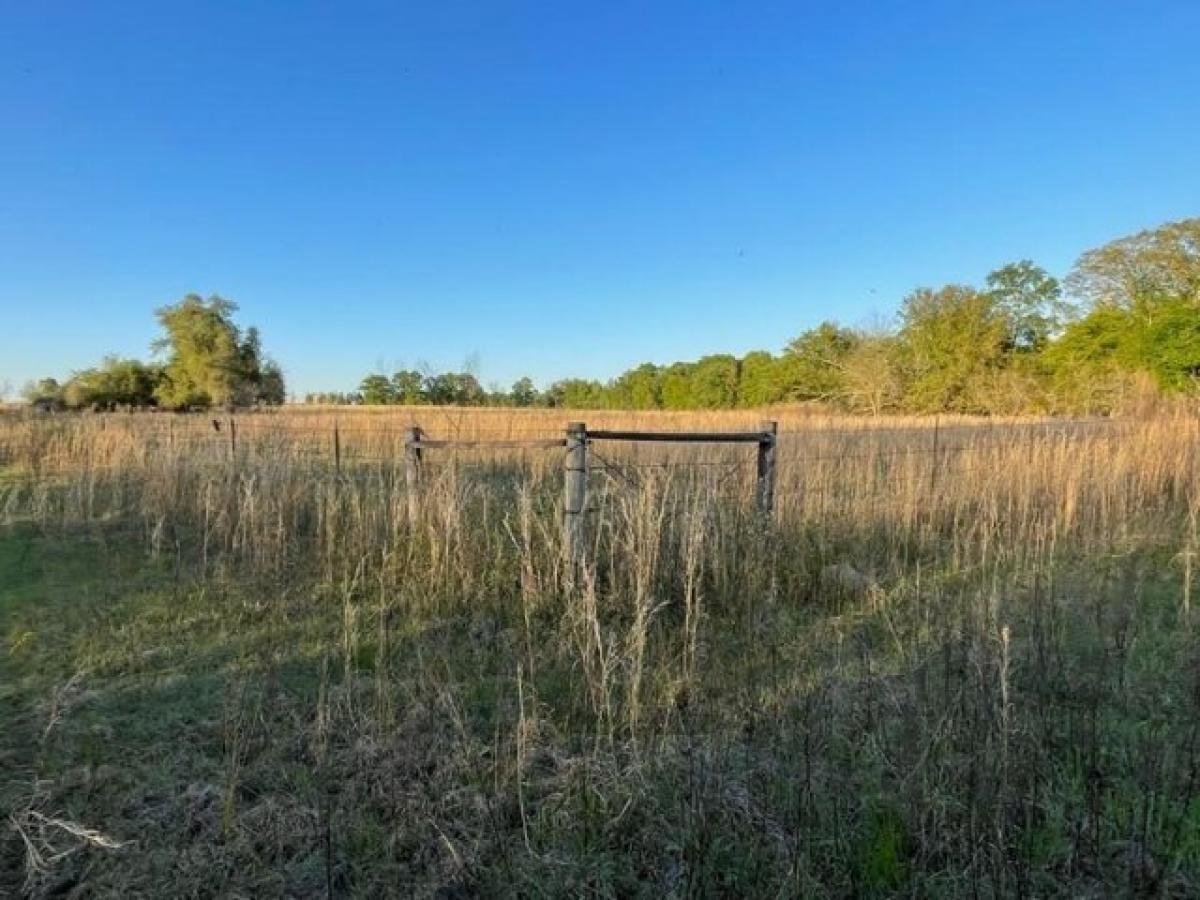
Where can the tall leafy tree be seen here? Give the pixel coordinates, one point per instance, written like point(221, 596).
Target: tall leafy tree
point(116, 382)
point(408, 387)
point(812, 365)
point(677, 386)
point(1169, 344)
point(639, 388)
point(870, 379)
point(272, 390)
point(577, 393)
point(207, 360)
point(377, 390)
point(714, 382)
point(1095, 352)
point(454, 389)
point(1030, 301)
point(950, 339)
point(261, 379)
point(523, 393)
point(760, 381)
point(1162, 262)
point(251, 363)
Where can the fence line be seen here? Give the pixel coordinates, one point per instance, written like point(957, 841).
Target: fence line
point(228, 431)
point(813, 489)
point(579, 443)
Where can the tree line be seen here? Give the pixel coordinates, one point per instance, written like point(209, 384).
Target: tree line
point(1126, 323)
point(206, 361)
point(411, 387)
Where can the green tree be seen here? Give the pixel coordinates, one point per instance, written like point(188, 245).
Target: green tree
point(260, 379)
point(44, 392)
point(1087, 365)
point(377, 390)
point(441, 389)
point(115, 382)
point(1031, 302)
point(1160, 263)
point(676, 386)
point(714, 382)
point(813, 362)
point(1142, 296)
point(207, 361)
point(272, 390)
point(454, 389)
point(523, 393)
point(638, 388)
point(760, 379)
point(408, 387)
point(1169, 344)
point(250, 369)
point(870, 379)
point(951, 339)
point(577, 393)
point(1093, 354)
point(470, 392)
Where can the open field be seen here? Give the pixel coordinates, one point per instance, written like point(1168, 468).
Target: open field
point(960, 659)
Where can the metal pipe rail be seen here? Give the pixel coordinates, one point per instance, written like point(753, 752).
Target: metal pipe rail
point(576, 441)
point(683, 437)
point(544, 443)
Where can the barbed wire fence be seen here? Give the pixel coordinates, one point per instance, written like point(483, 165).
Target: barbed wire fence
point(593, 461)
point(234, 438)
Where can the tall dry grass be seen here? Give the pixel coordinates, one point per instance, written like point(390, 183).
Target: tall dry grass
point(977, 489)
point(930, 672)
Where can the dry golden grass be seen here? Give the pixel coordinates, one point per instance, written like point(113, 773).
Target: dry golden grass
point(959, 659)
point(1016, 479)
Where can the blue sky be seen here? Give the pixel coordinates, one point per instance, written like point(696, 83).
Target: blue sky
point(562, 188)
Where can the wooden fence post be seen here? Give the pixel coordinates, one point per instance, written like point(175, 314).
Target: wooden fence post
point(337, 450)
point(232, 438)
point(575, 494)
point(412, 472)
point(766, 469)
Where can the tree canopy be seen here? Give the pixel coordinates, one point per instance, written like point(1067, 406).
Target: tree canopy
point(1162, 262)
point(206, 361)
point(1127, 315)
point(1130, 315)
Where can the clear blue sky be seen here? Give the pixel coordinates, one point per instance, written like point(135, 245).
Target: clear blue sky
point(562, 188)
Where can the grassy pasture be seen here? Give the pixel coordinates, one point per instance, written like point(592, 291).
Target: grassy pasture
point(960, 661)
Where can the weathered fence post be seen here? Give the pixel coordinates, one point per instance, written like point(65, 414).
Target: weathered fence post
point(766, 468)
point(337, 450)
point(575, 494)
point(232, 438)
point(412, 472)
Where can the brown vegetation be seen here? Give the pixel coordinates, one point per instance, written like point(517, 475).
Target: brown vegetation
point(959, 660)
